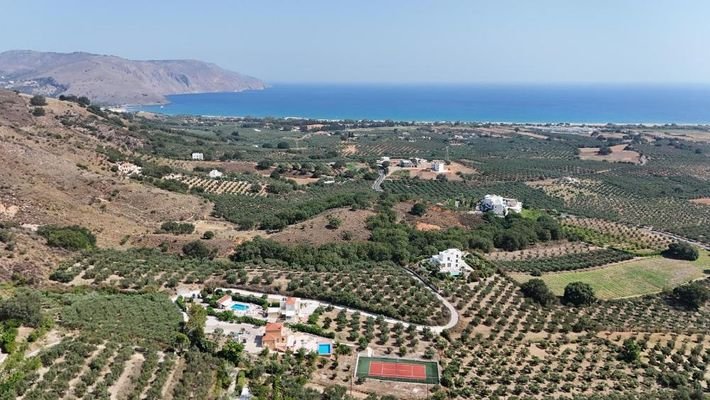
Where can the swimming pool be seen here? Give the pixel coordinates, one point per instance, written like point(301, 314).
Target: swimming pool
point(239, 307)
point(324, 349)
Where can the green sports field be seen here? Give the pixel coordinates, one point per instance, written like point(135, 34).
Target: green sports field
point(398, 369)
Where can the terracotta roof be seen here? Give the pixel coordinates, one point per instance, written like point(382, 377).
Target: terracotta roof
point(224, 299)
point(274, 327)
point(271, 337)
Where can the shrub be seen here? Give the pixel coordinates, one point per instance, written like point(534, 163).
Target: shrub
point(208, 235)
point(537, 290)
point(283, 145)
point(630, 351)
point(38, 112)
point(692, 296)
point(177, 228)
point(418, 209)
point(579, 294)
point(604, 150)
point(196, 249)
point(68, 237)
point(333, 222)
point(38, 100)
point(264, 164)
point(681, 251)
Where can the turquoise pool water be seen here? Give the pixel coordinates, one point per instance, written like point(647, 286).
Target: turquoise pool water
point(240, 307)
point(324, 349)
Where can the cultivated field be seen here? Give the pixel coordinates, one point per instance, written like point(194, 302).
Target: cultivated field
point(629, 278)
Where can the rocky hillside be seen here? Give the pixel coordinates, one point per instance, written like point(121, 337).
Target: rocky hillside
point(114, 80)
point(51, 172)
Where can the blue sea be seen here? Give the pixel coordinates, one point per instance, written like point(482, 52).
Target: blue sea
point(471, 103)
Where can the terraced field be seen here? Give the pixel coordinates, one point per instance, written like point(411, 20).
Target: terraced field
point(222, 186)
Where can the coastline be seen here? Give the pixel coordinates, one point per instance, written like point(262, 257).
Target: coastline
point(574, 105)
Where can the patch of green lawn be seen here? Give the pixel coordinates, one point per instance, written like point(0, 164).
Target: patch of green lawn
point(630, 278)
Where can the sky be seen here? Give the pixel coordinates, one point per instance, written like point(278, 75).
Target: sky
point(392, 41)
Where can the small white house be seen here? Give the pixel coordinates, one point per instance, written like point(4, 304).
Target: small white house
point(289, 308)
point(215, 174)
point(198, 156)
point(450, 261)
point(438, 166)
point(500, 206)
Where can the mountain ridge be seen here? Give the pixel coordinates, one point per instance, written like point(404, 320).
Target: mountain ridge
point(109, 79)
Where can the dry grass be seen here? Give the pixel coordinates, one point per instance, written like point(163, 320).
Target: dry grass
point(314, 230)
point(618, 154)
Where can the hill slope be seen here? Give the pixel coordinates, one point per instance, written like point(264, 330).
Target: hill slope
point(114, 80)
point(51, 173)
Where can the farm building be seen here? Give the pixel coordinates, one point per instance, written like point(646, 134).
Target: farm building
point(383, 160)
point(224, 300)
point(274, 336)
point(406, 163)
point(438, 166)
point(450, 261)
point(215, 174)
point(500, 206)
point(198, 156)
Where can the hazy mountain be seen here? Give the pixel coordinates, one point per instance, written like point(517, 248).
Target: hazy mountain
point(114, 80)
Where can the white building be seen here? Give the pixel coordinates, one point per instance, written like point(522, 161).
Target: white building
point(450, 262)
point(215, 174)
point(438, 166)
point(198, 156)
point(500, 206)
point(289, 308)
point(129, 169)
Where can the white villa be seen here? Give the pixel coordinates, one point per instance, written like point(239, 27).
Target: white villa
point(450, 261)
point(215, 174)
point(438, 166)
point(500, 206)
point(198, 156)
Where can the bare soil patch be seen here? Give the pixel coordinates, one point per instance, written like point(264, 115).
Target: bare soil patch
point(703, 200)
point(124, 382)
point(436, 217)
point(314, 230)
point(618, 154)
point(349, 149)
point(453, 171)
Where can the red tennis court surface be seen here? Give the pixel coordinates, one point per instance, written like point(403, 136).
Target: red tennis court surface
point(397, 370)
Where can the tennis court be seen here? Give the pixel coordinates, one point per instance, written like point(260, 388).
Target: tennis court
point(398, 369)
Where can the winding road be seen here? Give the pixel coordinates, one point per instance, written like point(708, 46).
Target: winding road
point(377, 185)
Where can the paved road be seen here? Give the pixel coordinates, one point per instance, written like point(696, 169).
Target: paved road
point(453, 319)
point(377, 185)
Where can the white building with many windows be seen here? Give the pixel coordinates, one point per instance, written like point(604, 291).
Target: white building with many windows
point(450, 261)
point(198, 156)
